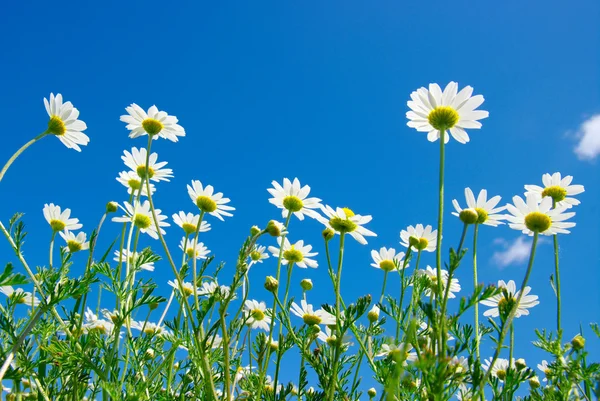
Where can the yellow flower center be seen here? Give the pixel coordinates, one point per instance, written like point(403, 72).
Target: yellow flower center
point(310, 319)
point(538, 222)
point(206, 204)
point(190, 252)
point(187, 290)
point(344, 225)
point(255, 256)
point(73, 246)
point(56, 126)
point(141, 171)
point(293, 255)
point(134, 184)
point(387, 265)
point(100, 329)
point(468, 216)
point(501, 373)
point(189, 228)
point(257, 314)
point(57, 225)
point(152, 126)
point(422, 244)
point(293, 203)
point(505, 306)
point(555, 192)
point(149, 330)
point(443, 117)
point(482, 215)
point(142, 221)
point(332, 341)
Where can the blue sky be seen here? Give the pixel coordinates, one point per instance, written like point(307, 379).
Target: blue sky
point(267, 90)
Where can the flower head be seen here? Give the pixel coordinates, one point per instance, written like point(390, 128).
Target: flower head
point(60, 220)
point(64, 123)
point(400, 352)
point(140, 214)
point(298, 254)
point(534, 216)
point(431, 274)
point(433, 111)
point(544, 368)
point(501, 304)
point(154, 123)
point(208, 201)
point(485, 210)
point(328, 337)
point(134, 260)
point(189, 223)
point(419, 237)
point(293, 198)
point(74, 242)
point(558, 189)
point(310, 316)
point(343, 220)
point(187, 288)
point(149, 328)
point(387, 259)
point(213, 289)
point(94, 324)
point(136, 161)
point(23, 297)
point(499, 369)
point(132, 181)
point(257, 315)
point(187, 245)
point(258, 255)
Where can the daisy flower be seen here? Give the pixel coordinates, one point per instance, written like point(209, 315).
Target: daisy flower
point(387, 259)
point(201, 250)
point(500, 303)
point(58, 220)
point(544, 368)
point(291, 197)
point(534, 216)
point(140, 214)
point(328, 337)
point(433, 111)
point(24, 297)
point(258, 255)
point(343, 220)
point(92, 323)
point(155, 123)
point(132, 181)
point(188, 288)
point(64, 123)
point(298, 254)
point(311, 316)
point(75, 243)
point(211, 288)
point(189, 223)
point(419, 237)
point(257, 315)
point(133, 260)
point(431, 273)
point(480, 211)
point(149, 328)
point(208, 201)
point(400, 352)
point(558, 189)
point(136, 161)
point(499, 369)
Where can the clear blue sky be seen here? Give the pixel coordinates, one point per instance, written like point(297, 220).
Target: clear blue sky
point(272, 89)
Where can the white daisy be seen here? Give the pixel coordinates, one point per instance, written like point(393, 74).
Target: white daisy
point(58, 220)
point(328, 337)
point(136, 161)
point(211, 288)
point(156, 123)
point(149, 328)
point(74, 242)
point(132, 181)
point(544, 368)
point(291, 197)
point(258, 255)
point(242, 372)
point(533, 216)
point(343, 220)
point(188, 288)
point(433, 111)
point(140, 214)
point(499, 301)
point(387, 259)
point(499, 369)
point(298, 254)
point(133, 260)
point(24, 297)
point(431, 273)
point(92, 323)
point(311, 316)
point(257, 315)
point(208, 201)
point(64, 122)
point(189, 223)
point(557, 188)
point(201, 250)
point(419, 237)
point(485, 210)
point(398, 352)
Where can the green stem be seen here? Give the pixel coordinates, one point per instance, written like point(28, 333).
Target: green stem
point(338, 309)
point(438, 249)
point(512, 345)
point(475, 283)
point(557, 282)
point(279, 350)
point(194, 260)
point(411, 307)
point(52, 247)
point(385, 274)
point(18, 153)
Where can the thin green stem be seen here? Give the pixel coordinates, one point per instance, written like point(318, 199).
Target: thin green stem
point(51, 247)
point(557, 282)
point(475, 283)
point(385, 275)
point(18, 153)
point(438, 249)
point(195, 260)
point(338, 309)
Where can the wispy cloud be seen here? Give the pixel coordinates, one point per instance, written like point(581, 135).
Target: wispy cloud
point(589, 138)
point(514, 252)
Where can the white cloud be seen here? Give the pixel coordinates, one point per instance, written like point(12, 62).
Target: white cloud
point(589, 138)
point(515, 252)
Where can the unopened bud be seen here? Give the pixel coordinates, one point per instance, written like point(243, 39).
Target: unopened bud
point(306, 284)
point(150, 353)
point(373, 314)
point(254, 230)
point(534, 382)
point(271, 284)
point(111, 207)
point(468, 216)
point(274, 345)
point(520, 364)
point(153, 305)
point(275, 228)
point(578, 342)
point(328, 234)
point(372, 392)
point(315, 329)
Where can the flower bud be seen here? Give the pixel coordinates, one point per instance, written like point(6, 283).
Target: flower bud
point(153, 305)
point(271, 284)
point(111, 207)
point(149, 353)
point(534, 382)
point(306, 284)
point(520, 364)
point(274, 346)
point(373, 314)
point(254, 230)
point(275, 228)
point(468, 216)
point(328, 234)
point(315, 329)
point(372, 392)
point(578, 342)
